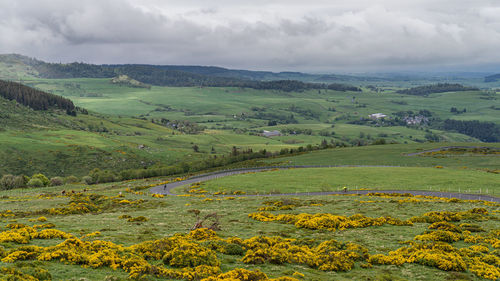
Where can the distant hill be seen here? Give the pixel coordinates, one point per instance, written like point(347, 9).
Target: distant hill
point(170, 75)
point(492, 78)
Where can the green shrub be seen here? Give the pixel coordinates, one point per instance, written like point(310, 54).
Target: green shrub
point(10, 182)
point(45, 181)
point(71, 179)
point(56, 181)
point(138, 219)
point(87, 180)
point(5, 181)
point(35, 182)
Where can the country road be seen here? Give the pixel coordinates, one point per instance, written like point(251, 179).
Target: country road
point(166, 189)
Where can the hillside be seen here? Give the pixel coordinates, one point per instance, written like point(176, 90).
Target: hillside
point(129, 127)
point(492, 78)
point(57, 144)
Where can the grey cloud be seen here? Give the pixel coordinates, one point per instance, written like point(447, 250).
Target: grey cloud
point(276, 35)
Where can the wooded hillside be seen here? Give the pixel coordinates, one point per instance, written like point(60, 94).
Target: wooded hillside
point(36, 99)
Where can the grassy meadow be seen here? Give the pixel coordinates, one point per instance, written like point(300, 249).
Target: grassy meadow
point(371, 178)
point(393, 155)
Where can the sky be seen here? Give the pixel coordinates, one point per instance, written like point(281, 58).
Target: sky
point(277, 35)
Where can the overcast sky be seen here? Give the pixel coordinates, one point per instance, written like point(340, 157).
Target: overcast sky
point(278, 35)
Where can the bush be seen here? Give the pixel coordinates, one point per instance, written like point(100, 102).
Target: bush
point(10, 182)
point(71, 179)
point(379, 142)
point(45, 181)
point(35, 182)
point(56, 181)
point(87, 180)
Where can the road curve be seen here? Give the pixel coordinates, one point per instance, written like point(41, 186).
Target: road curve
point(165, 189)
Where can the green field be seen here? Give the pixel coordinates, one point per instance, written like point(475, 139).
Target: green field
point(213, 103)
point(392, 155)
point(372, 178)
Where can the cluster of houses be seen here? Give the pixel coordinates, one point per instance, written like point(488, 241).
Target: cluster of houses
point(409, 120)
point(415, 120)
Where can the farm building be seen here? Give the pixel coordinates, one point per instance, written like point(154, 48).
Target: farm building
point(377, 115)
point(269, 134)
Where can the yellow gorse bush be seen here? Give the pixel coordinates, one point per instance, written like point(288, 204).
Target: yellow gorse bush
point(328, 221)
point(240, 274)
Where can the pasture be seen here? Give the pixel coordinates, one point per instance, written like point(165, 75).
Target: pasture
point(370, 178)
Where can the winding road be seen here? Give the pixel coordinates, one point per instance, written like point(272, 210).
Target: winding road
point(166, 188)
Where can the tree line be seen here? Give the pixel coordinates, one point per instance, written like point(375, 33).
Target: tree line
point(484, 131)
point(36, 99)
point(436, 88)
point(162, 76)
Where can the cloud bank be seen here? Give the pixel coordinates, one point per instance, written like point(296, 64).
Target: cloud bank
point(356, 35)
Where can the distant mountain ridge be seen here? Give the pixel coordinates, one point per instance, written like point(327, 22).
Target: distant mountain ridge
point(174, 76)
point(492, 78)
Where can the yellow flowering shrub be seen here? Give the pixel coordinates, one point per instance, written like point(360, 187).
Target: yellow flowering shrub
point(51, 234)
point(16, 225)
point(20, 236)
point(92, 234)
point(6, 214)
point(435, 253)
point(201, 234)
point(25, 272)
point(444, 225)
point(330, 255)
point(437, 216)
point(328, 221)
point(239, 274)
point(45, 225)
point(439, 255)
point(439, 235)
point(190, 254)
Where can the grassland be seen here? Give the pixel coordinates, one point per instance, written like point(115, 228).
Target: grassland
point(372, 178)
point(393, 155)
point(120, 123)
point(226, 102)
point(167, 216)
